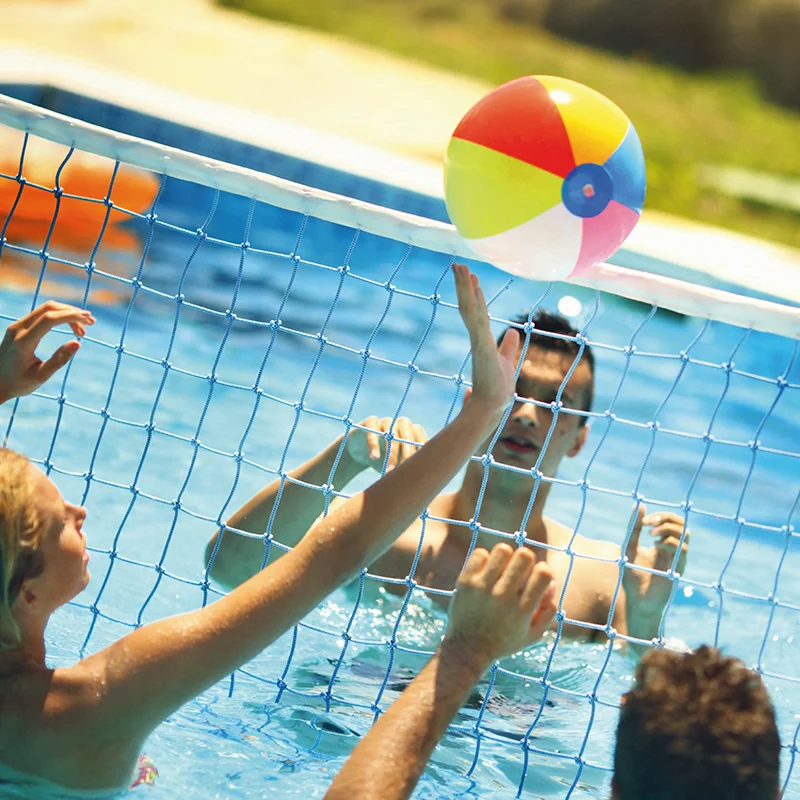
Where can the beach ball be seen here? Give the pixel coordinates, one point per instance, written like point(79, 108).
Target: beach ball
point(544, 177)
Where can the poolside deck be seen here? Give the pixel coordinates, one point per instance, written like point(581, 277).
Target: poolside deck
point(307, 94)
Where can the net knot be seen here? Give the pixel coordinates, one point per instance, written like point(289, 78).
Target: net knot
point(782, 382)
point(435, 299)
point(58, 192)
point(89, 267)
point(201, 234)
point(684, 356)
point(727, 367)
point(412, 367)
point(629, 349)
point(487, 460)
point(344, 269)
point(245, 246)
point(754, 444)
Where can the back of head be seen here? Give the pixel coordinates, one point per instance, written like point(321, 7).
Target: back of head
point(696, 726)
point(20, 533)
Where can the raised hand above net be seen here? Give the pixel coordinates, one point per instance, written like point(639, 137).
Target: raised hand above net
point(493, 368)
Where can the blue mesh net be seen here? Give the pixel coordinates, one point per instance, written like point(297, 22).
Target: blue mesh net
point(235, 339)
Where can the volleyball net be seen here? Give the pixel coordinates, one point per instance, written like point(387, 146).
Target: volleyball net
point(245, 321)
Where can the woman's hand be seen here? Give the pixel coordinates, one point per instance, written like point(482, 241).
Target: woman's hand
point(503, 603)
point(21, 370)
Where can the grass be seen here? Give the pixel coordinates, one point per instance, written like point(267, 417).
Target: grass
point(685, 121)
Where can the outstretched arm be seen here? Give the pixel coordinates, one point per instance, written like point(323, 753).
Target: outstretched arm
point(240, 557)
point(21, 370)
point(145, 676)
point(502, 604)
point(647, 593)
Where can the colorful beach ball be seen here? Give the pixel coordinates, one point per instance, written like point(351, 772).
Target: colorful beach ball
point(544, 177)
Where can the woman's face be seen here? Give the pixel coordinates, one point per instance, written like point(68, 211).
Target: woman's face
point(63, 547)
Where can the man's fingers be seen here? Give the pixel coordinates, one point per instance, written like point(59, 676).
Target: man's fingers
point(46, 369)
point(672, 528)
point(633, 543)
point(540, 579)
point(373, 445)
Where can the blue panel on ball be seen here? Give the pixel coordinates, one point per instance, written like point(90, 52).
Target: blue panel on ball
point(626, 167)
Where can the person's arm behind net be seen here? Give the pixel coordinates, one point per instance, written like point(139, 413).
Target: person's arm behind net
point(502, 604)
point(138, 681)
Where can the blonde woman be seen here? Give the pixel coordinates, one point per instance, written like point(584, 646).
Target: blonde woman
point(82, 727)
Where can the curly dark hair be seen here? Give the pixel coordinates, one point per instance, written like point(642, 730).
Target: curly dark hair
point(696, 726)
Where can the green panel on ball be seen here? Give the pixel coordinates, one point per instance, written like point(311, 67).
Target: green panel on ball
point(488, 192)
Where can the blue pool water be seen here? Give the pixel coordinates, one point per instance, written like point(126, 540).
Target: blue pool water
point(236, 741)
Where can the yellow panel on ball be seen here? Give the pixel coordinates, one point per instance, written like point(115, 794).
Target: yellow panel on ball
point(595, 126)
point(488, 192)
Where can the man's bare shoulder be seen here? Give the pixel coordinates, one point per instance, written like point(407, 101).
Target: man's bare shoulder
point(561, 536)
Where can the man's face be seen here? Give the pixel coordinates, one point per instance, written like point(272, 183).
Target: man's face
point(524, 434)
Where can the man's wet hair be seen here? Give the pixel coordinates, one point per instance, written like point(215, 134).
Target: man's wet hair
point(696, 726)
point(551, 322)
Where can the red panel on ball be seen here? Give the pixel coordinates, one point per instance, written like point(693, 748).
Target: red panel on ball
point(520, 120)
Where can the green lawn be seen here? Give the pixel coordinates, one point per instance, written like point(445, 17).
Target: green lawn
point(684, 121)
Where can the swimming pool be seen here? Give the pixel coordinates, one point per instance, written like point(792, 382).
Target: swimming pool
point(175, 444)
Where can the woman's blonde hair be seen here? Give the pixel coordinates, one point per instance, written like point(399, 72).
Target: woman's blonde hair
point(20, 537)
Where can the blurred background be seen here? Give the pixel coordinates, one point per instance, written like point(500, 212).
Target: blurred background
point(712, 86)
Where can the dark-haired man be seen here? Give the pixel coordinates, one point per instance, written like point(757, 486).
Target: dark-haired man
point(447, 537)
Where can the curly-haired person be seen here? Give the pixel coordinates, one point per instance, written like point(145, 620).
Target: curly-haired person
point(696, 726)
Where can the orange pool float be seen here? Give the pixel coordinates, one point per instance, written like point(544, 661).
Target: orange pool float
point(85, 175)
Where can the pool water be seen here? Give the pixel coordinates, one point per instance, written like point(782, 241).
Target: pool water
point(141, 412)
